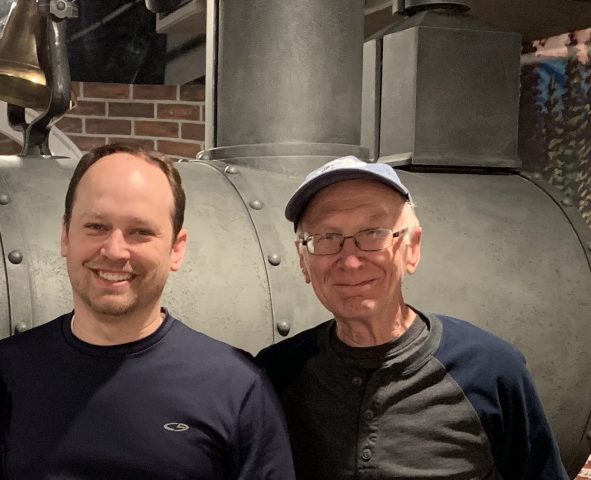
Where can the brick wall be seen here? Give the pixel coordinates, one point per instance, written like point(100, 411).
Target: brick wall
point(166, 118)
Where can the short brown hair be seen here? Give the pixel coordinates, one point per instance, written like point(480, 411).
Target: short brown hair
point(162, 161)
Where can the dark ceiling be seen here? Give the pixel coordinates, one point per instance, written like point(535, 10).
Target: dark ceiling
point(533, 19)
point(115, 41)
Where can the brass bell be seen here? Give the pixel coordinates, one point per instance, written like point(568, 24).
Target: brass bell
point(22, 80)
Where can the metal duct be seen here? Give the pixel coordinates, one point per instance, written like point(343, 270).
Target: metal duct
point(450, 93)
point(284, 79)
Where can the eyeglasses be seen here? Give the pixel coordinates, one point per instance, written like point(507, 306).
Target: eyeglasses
point(370, 240)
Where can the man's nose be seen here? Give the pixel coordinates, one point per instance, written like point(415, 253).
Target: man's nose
point(115, 246)
point(351, 254)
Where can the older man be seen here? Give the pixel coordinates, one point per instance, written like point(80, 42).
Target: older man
point(385, 391)
point(119, 389)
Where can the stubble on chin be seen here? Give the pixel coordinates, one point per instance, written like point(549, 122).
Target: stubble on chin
point(113, 307)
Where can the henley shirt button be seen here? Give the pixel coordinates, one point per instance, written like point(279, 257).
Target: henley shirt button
point(366, 454)
point(368, 414)
point(357, 381)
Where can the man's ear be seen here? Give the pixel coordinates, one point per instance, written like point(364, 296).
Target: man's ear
point(303, 267)
point(413, 251)
point(64, 240)
point(177, 254)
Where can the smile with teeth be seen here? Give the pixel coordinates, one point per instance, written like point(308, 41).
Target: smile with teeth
point(114, 276)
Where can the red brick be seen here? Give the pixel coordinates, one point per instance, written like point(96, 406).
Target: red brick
point(108, 126)
point(105, 90)
point(192, 93)
point(154, 92)
point(131, 109)
point(86, 108)
point(156, 129)
point(146, 143)
point(203, 112)
point(76, 88)
point(177, 111)
point(193, 131)
point(69, 124)
point(87, 143)
point(184, 150)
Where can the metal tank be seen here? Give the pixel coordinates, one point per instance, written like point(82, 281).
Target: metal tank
point(501, 249)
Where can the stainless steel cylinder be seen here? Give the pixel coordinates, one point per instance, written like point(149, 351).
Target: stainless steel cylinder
point(301, 88)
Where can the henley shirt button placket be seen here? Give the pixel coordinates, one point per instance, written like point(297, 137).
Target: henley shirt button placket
point(366, 454)
point(368, 414)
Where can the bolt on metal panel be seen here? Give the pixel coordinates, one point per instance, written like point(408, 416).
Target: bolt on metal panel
point(30, 227)
point(222, 287)
point(294, 306)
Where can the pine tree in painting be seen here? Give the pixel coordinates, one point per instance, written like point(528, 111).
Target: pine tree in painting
point(577, 138)
point(554, 135)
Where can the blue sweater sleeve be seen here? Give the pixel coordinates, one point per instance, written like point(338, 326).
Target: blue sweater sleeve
point(526, 449)
point(494, 377)
point(260, 444)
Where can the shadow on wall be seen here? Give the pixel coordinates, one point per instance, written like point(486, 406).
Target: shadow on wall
point(555, 112)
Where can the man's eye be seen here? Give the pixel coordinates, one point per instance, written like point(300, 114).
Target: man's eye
point(374, 233)
point(143, 232)
point(95, 227)
point(328, 237)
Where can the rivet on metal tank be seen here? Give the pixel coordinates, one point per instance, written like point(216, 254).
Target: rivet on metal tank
point(256, 204)
point(274, 259)
point(20, 327)
point(4, 199)
point(15, 257)
point(231, 170)
point(283, 327)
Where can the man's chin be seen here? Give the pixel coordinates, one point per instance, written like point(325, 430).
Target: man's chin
point(112, 308)
point(357, 307)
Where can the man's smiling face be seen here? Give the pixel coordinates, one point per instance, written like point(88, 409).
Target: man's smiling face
point(355, 284)
point(119, 244)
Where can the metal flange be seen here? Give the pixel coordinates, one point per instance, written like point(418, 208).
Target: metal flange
point(410, 7)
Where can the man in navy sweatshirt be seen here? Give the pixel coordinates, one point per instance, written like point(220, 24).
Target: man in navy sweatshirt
point(119, 389)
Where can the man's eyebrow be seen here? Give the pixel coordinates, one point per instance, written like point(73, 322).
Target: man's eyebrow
point(376, 215)
point(91, 214)
point(131, 220)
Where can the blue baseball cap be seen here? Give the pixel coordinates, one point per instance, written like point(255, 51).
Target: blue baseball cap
point(344, 168)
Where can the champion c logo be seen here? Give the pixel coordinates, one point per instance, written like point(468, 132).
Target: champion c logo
point(176, 427)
